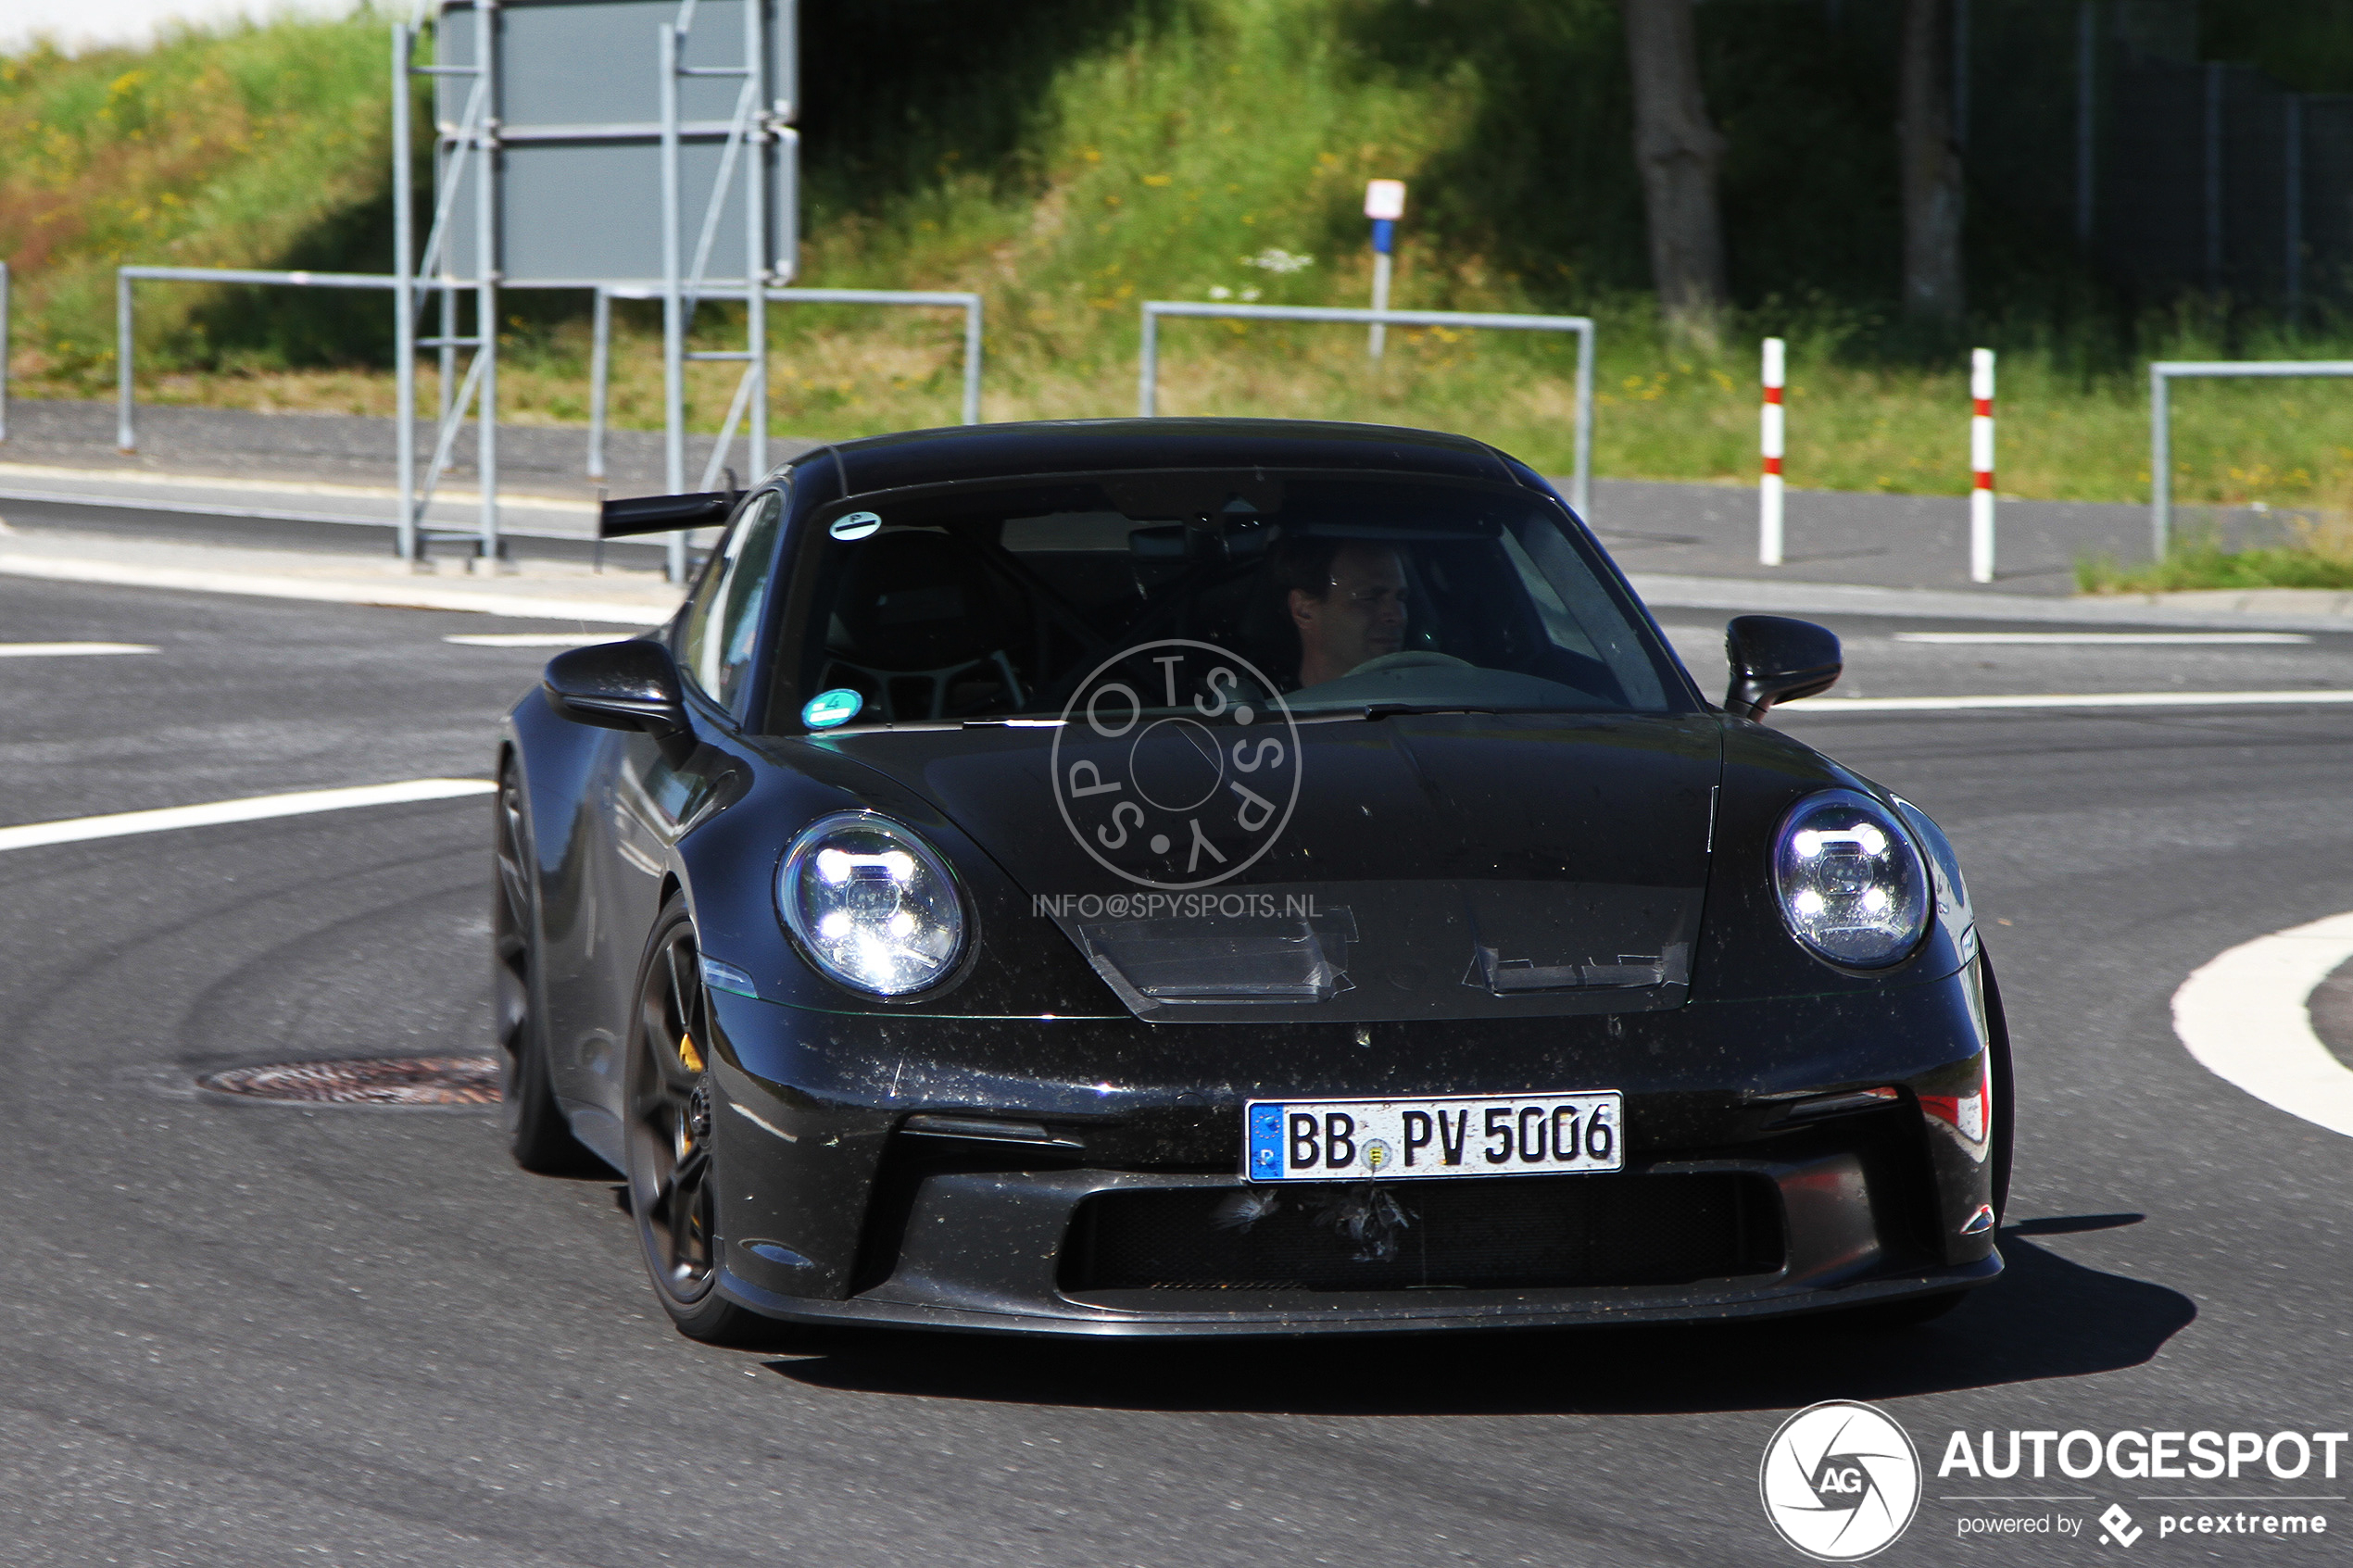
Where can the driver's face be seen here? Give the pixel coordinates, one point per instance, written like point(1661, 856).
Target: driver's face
point(1362, 616)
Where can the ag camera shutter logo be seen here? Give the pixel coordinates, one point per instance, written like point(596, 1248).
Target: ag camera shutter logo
point(1841, 1481)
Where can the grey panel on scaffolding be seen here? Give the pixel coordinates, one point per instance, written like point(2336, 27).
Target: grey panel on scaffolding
point(580, 62)
point(562, 211)
point(587, 206)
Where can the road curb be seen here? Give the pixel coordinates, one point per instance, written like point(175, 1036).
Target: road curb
point(385, 595)
point(1741, 594)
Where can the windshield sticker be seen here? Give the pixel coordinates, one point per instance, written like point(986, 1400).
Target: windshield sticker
point(825, 709)
point(856, 526)
point(1177, 764)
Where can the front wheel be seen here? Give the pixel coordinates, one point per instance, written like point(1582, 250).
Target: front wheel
point(671, 1154)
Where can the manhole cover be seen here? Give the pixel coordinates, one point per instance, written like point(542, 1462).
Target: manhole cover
point(396, 1079)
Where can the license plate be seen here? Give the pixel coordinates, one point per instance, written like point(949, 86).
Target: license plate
point(1334, 1140)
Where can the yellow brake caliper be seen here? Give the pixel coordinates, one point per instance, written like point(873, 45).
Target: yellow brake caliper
point(691, 1060)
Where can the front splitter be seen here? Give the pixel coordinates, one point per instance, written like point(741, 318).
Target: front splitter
point(1378, 1313)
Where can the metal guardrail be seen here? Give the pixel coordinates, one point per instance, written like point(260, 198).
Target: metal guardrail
point(126, 432)
point(1580, 482)
point(600, 369)
point(2162, 372)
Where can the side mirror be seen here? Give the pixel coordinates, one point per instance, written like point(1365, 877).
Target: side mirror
point(631, 686)
point(664, 514)
point(1776, 659)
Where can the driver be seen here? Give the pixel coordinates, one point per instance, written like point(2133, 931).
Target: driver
point(1346, 600)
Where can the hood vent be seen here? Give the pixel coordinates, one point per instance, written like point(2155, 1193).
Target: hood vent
point(1490, 970)
point(1348, 952)
point(1268, 960)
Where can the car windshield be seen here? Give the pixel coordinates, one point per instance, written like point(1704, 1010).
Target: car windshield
point(1341, 594)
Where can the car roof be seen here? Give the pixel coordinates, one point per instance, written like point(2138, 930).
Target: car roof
point(1060, 447)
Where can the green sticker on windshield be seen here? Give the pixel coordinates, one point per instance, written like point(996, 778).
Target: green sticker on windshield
point(825, 709)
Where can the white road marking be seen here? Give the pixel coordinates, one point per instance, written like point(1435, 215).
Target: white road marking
point(2246, 1018)
point(254, 808)
point(529, 639)
point(2042, 700)
point(2097, 639)
point(70, 650)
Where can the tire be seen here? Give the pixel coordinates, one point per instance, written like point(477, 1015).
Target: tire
point(2005, 1128)
point(673, 1158)
point(537, 1136)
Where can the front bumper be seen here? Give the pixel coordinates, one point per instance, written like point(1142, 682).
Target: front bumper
point(838, 1210)
point(1008, 1282)
point(981, 1251)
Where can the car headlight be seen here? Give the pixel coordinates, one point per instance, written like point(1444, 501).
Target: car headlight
point(871, 904)
point(1852, 885)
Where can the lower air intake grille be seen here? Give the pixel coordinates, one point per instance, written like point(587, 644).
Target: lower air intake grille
point(1518, 1232)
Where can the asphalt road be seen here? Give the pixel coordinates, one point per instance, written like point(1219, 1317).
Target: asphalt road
point(237, 1334)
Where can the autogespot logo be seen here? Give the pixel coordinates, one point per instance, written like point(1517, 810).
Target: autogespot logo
point(1840, 1481)
point(1177, 764)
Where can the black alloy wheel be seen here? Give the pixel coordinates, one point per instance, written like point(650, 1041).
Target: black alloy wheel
point(537, 1134)
point(671, 1150)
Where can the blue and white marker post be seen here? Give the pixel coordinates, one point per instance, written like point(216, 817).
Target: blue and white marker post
point(1384, 204)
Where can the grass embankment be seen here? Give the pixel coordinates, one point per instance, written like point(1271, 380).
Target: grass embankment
point(254, 146)
point(2316, 554)
point(1185, 149)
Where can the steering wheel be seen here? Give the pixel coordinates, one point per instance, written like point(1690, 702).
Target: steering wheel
point(1411, 658)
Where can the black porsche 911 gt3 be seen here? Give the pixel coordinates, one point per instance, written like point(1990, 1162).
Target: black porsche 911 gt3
point(1225, 876)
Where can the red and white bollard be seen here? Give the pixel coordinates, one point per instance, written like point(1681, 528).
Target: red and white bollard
point(1769, 483)
point(1980, 461)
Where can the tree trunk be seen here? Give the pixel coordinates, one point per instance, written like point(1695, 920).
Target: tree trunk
point(1930, 163)
point(1679, 153)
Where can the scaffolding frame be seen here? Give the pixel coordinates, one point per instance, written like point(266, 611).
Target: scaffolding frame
point(752, 127)
point(467, 146)
point(473, 136)
point(601, 352)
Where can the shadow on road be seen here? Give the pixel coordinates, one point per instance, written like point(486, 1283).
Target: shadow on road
point(2045, 1318)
